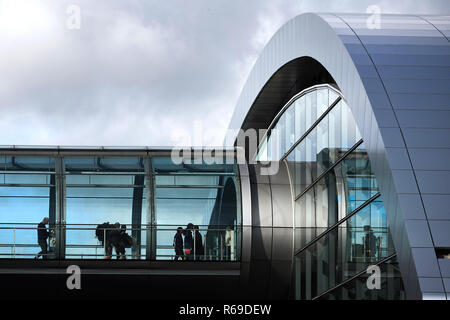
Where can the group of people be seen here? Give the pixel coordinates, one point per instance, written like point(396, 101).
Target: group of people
point(110, 235)
point(187, 243)
point(191, 247)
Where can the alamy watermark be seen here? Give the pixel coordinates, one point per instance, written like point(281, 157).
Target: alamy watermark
point(74, 280)
point(247, 150)
point(73, 21)
point(374, 280)
point(374, 20)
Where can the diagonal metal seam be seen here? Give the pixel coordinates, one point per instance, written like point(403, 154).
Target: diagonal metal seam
point(432, 24)
point(288, 105)
point(401, 133)
point(313, 126)
point(334, 165)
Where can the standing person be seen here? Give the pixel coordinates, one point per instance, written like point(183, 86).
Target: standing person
point(42, 235)
point(370, 243)
point(199, 249)
point(188, 241)
point(229, 243)
point(178, 244)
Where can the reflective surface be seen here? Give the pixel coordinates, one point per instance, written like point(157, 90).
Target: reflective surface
point(391, 286)
point(141, 200)
point(203, 195)
point(395, 79)
point(99, 190)
point(298, 116)
point(340, 221)
point(27, 193)
point(343, 251)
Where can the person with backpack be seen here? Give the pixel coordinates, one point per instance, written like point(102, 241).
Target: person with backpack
point(188, 241)
point(178, 244)
point(109, 236)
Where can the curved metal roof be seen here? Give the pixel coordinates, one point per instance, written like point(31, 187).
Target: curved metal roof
point(396, 80)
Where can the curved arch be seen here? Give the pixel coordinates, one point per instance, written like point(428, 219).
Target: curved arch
point(228, 207)
point(395, 80)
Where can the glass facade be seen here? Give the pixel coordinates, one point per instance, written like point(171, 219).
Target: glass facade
point(146, 197)
point(204, 195)
point(356, 288)
point(340, 222)
point(27, 194)
point(104, 189)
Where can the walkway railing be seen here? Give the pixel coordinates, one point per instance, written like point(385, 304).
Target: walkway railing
point(19, 241)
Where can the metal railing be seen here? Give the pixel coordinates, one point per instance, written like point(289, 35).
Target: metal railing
point(217, 244)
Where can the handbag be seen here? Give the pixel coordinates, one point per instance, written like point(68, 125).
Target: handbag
point(187, 251)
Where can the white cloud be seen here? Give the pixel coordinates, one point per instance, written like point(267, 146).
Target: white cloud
point(137, 72)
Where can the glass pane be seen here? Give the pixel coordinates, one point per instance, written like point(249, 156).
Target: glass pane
point(117, 195)
point(348, 126)
point(290, 132)
point(104, 164)
point(333, 96)
point(262, 153)
point(341, 253)
point(27, 195)
point(281, 128)
point(391, 286)
point(204, 204)
point(323, 160)
point(166, 165)
point(28, 163)
point(335, 132)
point(311, 109)
point(300, 118)
point(341, 191)
point(322, 101)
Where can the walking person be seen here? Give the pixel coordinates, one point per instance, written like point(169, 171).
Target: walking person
point(42, 235)
point(199, 248)
point(178, 244)
point(188, 241)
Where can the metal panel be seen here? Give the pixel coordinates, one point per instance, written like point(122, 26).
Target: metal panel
point(382, 73)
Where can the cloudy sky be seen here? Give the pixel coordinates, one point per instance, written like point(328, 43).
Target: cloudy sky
point(139, 73)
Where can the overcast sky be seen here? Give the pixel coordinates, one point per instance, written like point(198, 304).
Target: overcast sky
point(140, 73)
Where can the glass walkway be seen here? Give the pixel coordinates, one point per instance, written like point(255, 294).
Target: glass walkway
point(110, 203)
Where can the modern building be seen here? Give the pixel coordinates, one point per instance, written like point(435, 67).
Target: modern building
point(347, 177)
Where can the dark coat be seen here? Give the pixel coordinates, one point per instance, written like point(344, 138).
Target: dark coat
point(198, 243)
point(178, 242)
point(371, 242)
point(42, 232)
point(188, 241)
point(113, 236)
